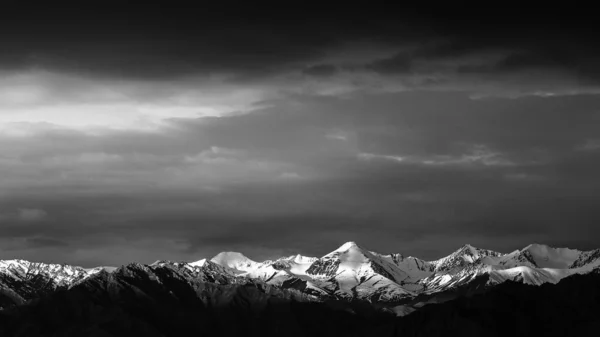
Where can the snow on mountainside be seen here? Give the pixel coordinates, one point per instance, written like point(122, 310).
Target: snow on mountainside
point(528, 275)
point(22, 280)
point(296, 264)
point(98, 269)
point(58, 275)
point(275, 271)
point(548, 257)
point(198, 263)
point(590, 258)
point(285, 272)
point(466, 255)
point(211, 266)
point(448, 281)
point(541, 256)
point(235, 261)
point(414, 268)
point(516, 259)
point(535, 264)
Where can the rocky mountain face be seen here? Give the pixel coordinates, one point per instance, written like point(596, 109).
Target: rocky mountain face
point(568, 308)
point(21, 280)
point(586, 259)
point(462, 258)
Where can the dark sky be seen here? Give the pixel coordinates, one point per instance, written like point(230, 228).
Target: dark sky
point(137, 132)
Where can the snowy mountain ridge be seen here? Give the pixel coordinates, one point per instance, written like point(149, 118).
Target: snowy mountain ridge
point(59, 274)
point(348, 272)
point(352, 271)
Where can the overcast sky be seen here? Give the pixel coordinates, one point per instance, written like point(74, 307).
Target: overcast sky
point(137, 133)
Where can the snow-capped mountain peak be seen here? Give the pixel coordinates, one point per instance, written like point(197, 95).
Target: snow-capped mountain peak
point(198, 263)
point(464, 256)
point(541, 256)
point(548, 257)
point(234, 260)
point(350, 245)
point(352, 271)
point(347, 256)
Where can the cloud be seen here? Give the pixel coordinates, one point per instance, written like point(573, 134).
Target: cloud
point(371, 156)
point(321, 70)
point(210, 184)
point(290, 176)
point(590, 145)
point(399, 134)
point(31, 214)
point(38, 96)
point(180, 70)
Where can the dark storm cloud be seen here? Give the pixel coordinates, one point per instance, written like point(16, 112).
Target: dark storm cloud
point(154, 41)
point(44, 242)
point(158, 41)
point(321, 70)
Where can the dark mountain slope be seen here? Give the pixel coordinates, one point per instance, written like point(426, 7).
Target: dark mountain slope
point(569, 308)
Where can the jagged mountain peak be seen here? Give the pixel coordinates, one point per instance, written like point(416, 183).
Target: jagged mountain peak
point(30, 264)
point(545, 256)
point(31, 268)
point(353, 253)
point(468, 248)
point(464, 256)
point(298, 259)
point(355, 271)
point(543, 248)
point(302, 259)
point(158, 262)
point(132, 266)
point(14, 261)
point(348, 246)
point(198, 263)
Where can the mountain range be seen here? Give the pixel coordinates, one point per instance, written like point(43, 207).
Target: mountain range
point(349, 273)
point(352, 291)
